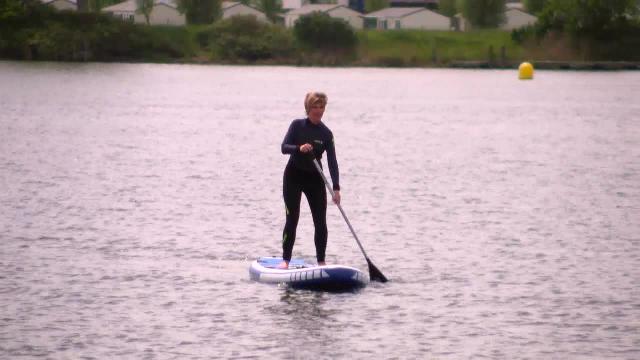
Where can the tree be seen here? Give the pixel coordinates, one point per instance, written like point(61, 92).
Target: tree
point(271, 8)
point(145, 7)
point(200, 11)
point(590, 18)
point(448, 7)
point(246, 38)
point(534, 6)
point(375, 5)
point(320, 31)
point(92, 5)
point(83, 5)
point(10, 9)
point(483, 14)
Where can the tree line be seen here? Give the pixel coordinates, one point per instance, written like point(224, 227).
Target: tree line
point(594, 29)
point(602, 29)
point(31, 30)
point(573, 16)
point(196, 11)
point(208, 11)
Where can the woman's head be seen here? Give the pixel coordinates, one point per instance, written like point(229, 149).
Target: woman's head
point(314, 98)
point(314, 104)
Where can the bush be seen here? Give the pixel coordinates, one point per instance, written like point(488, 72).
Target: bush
point(599, 30)
point(36, 31)
point(520, 35)
point(319, 31)
point(247, 38)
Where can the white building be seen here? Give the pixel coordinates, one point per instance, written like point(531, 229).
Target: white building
point(293, 4)
point(164, 12)
point(516, 18)
point(460, 23)
point(297, 4)
point(354, 18)
point(408, 18)
point(71, 5)
point(514, 5)
point(233, 8)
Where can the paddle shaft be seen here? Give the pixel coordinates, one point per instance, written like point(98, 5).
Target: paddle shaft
point(326, 182)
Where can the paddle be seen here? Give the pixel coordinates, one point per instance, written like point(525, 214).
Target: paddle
point(374, 273)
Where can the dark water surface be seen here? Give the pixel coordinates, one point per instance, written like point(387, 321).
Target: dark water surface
point(505, 213)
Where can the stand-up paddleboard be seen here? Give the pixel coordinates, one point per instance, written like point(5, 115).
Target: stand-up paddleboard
point(307, 276)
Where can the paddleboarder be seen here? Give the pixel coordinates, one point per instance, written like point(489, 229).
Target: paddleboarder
point(306, 139)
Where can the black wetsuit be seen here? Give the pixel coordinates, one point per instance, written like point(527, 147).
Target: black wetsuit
point(301, 176)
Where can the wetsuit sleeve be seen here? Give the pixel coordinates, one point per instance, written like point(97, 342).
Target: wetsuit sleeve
point(288, 144)
point(333, 165)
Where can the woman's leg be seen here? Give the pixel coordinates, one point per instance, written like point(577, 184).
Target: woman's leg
point(291, 192)
point(317, 197)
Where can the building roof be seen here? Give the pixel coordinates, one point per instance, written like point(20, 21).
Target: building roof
point(308, 9)
point(132, 6)
point(169, 3)
point(431, 4)
point(227, 4)
point(50, 1)
point(399, 12)
point(514, 10)
point(514, 4)
point(417, 2)
point(125, 6)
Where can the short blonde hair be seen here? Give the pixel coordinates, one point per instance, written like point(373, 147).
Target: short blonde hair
point(313, 98)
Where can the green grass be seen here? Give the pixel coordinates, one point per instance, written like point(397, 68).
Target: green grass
point(417, 47)
point(384, 48)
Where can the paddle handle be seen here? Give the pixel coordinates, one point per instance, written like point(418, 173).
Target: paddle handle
point(326, 183)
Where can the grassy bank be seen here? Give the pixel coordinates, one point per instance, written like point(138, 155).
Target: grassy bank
point(415, 48)
point(38, 32)
point(436, 48)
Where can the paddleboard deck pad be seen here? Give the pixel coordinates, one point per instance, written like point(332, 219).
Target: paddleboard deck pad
point(307, 276)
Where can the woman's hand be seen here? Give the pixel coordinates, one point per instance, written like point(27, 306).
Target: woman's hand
point(336, 197)
point(306, 148)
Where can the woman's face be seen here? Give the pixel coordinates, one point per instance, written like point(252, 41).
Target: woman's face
point(315, 112)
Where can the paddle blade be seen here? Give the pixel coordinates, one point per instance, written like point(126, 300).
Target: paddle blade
point(375, 274)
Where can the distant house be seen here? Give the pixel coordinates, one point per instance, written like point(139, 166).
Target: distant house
point(429, 4)
point(294, 4)
point(514, 5)
point(125, 11)
point(407, 18)
point(233, 8)
point(460, 23)
point(71, 5)
point(516, 18)
point(356, 5)
point(164, 12)
point(354, 18)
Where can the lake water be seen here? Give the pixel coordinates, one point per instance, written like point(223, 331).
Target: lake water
point(506, 214)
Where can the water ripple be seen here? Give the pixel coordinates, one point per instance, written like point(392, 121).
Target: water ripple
point(505, 218)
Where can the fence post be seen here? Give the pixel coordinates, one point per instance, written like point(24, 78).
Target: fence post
point(492, 56)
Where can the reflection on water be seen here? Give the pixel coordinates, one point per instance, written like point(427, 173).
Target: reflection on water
point(306, 305)
point(135, 197)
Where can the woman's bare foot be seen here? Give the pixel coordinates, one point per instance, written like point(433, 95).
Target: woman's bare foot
point(283, 265)
point(321, 263)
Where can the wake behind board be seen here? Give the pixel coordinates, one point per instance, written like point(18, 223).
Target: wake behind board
point(307, 276)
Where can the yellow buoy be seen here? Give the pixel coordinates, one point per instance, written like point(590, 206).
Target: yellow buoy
point(526, 71)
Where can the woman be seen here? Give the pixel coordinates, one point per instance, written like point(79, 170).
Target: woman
point(305, 140)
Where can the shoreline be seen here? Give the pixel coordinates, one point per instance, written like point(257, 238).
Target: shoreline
point(470, 64)
point(552, 65)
